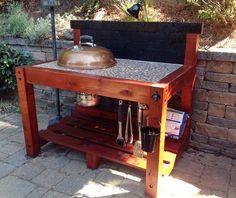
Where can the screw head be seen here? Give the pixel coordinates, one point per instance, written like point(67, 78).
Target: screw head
point(156, 96)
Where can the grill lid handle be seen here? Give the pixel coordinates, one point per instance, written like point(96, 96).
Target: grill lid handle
point(88, 38)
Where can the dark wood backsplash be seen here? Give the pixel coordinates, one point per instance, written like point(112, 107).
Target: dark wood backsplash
point(152, 41)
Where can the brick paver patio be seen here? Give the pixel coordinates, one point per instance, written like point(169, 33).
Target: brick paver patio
point(60, 172)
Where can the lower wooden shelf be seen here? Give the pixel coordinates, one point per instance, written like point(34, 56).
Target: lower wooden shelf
point(93, 134)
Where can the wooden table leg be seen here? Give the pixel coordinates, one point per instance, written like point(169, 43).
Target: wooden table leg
point(28, 112)
point(92, 160)
point(186, 105)
point(156, 118)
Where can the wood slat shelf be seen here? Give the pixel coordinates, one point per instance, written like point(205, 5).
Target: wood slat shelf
point(88, 133)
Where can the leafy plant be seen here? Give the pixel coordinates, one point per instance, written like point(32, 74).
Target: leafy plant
point(37, 30)
point(14, 22)
point(9, 59)
point(219, 11)
point(17, 23)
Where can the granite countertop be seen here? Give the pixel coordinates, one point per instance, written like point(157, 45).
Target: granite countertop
point(125, 69)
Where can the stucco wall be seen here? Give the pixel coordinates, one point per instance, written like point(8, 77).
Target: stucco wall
point(214, 105)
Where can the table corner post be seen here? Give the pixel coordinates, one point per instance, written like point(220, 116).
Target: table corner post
point(156, 118)
point(28, 113)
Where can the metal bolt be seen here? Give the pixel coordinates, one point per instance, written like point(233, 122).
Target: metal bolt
point(156, 96)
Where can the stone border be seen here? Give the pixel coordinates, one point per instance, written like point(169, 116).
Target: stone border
point(218, 54)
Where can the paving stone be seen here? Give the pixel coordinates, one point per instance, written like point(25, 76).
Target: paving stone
point(113, 191)
point(14, 119)
point(212, 160)
point(5, 124)
point(11, 148)
point(130, 173)
point(53, 161)
point(215, 178)
point(106, 164)
point(12, 187)
point(71, 185)
point(29, 171)
point(3, 156)
point(37, 193)
point(48, 178)
point(189, 154)
point(18, 138)
point(219, 194)
point(6, 169)
point(55, 150)
point(216, 110)
point(18, 158)
point(231, 192)
point(74, 167)
point(189, 167)
point(5, 133)
point(189, 178)
point(91, 189)
point(54, 194)
point(74, 155)
point(178, 188)
point(111, 177)
point(3, 143)
point(131, 195)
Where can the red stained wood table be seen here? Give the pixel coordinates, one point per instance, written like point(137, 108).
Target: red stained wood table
point(84, 132)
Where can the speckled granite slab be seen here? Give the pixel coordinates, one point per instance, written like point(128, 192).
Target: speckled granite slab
point(126, 69)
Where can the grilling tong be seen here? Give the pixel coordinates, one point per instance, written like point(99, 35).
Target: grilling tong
point(129, 124)
point(120, 140)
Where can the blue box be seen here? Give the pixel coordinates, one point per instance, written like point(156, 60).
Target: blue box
point(175, 123)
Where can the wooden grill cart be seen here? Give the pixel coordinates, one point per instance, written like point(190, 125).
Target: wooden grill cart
point(168, 46)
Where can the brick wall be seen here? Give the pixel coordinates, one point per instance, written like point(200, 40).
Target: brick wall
point(214, 109)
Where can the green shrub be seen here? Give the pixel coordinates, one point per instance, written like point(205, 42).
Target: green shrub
point(37, 30)
point(17, 23)
point(14, 22)
point(9, 59)
point(218, 11)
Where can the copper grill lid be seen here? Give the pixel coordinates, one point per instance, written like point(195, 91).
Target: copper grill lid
point(86, 57)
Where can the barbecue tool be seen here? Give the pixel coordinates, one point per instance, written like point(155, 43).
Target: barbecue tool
point(120, 140)
point(129, 124)
point(138, 152)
